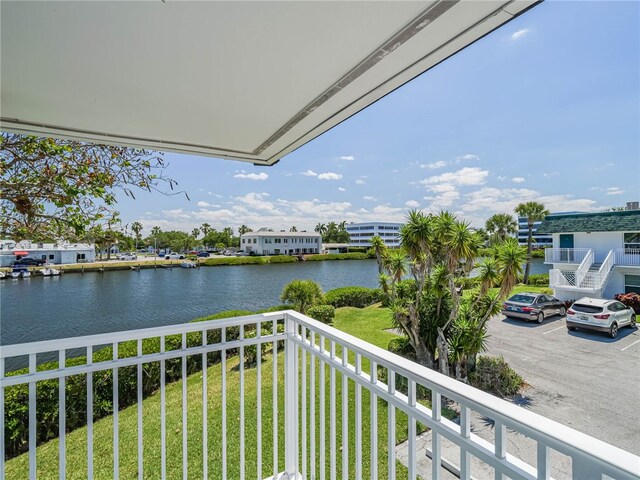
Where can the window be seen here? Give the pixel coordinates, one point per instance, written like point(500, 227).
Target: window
point(80, 256)
point(277, 240)
point(286, 240)
point(243, 240)
point(632, 240)
point(254, 240)
point(632, 283)
point(51, 257)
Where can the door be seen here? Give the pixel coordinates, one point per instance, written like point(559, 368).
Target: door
point(566, 242)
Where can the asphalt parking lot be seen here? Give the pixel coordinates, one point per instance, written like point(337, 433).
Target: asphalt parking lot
point(582, 379)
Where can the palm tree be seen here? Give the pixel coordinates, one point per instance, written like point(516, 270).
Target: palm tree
point(195, 233)
point(302, 294)
point(242, 229)
point(136, 228)
point(293, 229)
point(533, 212)
point(321, 228)
point(205, 228)
point(379, 247)
point(500, 226)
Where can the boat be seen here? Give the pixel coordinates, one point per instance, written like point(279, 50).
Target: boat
point(20, 271)
point(3, 275)
point(50, 272)
point(188, 265)
point(135, 267)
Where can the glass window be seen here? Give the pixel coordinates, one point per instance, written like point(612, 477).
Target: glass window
point(632, 283)
point(632, 240)
point(51, 257)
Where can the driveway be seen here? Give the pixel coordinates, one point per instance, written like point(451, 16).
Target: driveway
point(585, 380)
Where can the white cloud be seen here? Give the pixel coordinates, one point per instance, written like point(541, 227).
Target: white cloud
point(258, 201)
point(309, 173)
point(502, 179)
point(434, 165)
point(252, 176)
point(464, 176)
point(518, 180)
point(360, 182)
point(202, 204)
point(329, 176)
point(468, 157)
point(369, 198)
point(551, 174)
point(348, 158)
point(412, 204)
point(519, 34)
point(342, 189)
point(614, 191)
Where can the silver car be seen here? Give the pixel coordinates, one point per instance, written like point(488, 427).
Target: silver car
point(533, 306)
point(600, 315)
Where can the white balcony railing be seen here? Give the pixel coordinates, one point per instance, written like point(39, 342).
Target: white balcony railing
point(627, 257)
point(565, 255)
point(301, 393)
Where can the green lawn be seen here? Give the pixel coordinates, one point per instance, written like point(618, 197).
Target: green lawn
point(368, 324)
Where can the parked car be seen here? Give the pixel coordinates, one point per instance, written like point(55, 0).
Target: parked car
point(242, 254)
point(35, 262)
point(600, 315)
point(203, 254)
point(174, 256)
point(128, 256)
point(533, 306)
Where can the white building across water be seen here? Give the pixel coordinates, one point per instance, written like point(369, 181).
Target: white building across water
point(56, 253)
point(360, 234)
point(268, 242)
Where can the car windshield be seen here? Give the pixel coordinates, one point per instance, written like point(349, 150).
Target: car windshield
point(522, 299)
point(581, 307)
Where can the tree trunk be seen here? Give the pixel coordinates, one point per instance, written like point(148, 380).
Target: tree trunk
point(529, 242)
point(443, 353)
point(459, 370)
point(423, 356)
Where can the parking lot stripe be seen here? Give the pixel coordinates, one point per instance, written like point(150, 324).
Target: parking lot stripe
point(630, 345)
point(554, 330)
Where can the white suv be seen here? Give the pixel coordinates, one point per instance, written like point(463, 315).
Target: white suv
point(600, 315)
point(128, 256)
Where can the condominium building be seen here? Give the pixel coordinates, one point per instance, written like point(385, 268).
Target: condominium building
point(540, 240)
point(268, 242)
point(360, 234)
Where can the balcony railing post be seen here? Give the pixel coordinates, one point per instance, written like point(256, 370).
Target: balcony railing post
point(290, 399)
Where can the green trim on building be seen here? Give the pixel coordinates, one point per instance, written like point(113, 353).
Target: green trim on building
point(625, 221)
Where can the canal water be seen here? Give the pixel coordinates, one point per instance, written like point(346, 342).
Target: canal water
point(42, 308)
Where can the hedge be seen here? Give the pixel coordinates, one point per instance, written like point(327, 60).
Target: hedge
point(17, 397)
point(322, 313)
point(352, 297)
point(494, 375)
point(539, 279)
point(336, 256)
point(249, 260)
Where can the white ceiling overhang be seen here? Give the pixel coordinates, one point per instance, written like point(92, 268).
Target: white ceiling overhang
point(250, 81)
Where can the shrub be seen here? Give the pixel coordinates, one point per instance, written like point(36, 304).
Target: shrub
point(322, 313)
point(357, 249)
point(281, 259)
point(353, 297)
point(371, 253)
point(401, 346)
point(336, 256)
point(537, 253)
point(630, 300)
point(539, 279)
point(302, 294)
point(494, 375)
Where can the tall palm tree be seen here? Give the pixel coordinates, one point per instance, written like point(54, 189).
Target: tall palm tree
point(500, 226)
point(379, 247)
point(195, 233)
point(321, 228)
point(242, 229)
point(205, 228)
point(136, 228)
point(533, 212)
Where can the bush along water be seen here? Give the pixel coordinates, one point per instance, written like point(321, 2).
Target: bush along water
point(353, 297)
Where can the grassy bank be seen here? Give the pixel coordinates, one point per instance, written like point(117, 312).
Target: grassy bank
point(369, 324)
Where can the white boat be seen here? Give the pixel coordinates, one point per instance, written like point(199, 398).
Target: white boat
point(50, 272)
point(25, 274)
point(3, 275)
point(20, 272)
point(188, 265)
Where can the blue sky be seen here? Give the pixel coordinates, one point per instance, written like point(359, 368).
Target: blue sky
point(546, 108)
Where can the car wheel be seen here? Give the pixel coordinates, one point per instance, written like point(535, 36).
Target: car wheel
point(613, 330)
point(540, 317)
point(563, 311)
point(181, 257)
point(632, 323)
point(166, 258)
